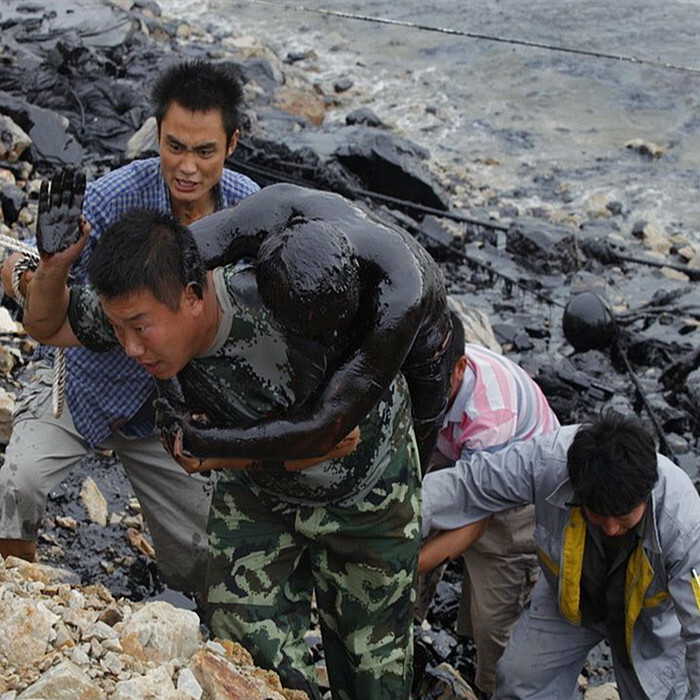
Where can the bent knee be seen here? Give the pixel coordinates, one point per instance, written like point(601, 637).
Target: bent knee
point(517, 665)
point(21, 480)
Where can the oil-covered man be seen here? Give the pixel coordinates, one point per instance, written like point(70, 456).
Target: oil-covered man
point(329, 269)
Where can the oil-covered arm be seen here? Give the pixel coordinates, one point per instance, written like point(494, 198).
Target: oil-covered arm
point(231, 234)
point(195, 464)
point(314, 429)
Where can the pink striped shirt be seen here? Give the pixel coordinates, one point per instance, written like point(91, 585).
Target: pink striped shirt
point(498, 403)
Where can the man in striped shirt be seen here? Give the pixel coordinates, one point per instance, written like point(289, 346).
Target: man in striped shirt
point(493, 403)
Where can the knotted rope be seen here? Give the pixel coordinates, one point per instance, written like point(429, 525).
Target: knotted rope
point(29, 261)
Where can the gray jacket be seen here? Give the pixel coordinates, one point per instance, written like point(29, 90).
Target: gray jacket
point(662, 597)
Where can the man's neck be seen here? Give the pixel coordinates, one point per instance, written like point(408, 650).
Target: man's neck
point(187, 212)
point(211, 319)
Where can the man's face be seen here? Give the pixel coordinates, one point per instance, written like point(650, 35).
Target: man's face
point(615, 526)
point(193, 148)
point(161, 340)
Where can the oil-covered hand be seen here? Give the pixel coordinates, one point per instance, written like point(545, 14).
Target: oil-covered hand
point(180, 430)
point(60, 206)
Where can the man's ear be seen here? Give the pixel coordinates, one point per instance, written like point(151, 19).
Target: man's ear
point(232, 143)
point(192, 296)
point(460, 368)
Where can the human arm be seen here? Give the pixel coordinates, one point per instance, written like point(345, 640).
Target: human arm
point(193, 464)
point(491, 482)
point(207, 441)
point(237, 232)
point(449, 544)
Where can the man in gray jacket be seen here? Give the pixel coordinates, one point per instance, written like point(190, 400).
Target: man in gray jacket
point(618, 535)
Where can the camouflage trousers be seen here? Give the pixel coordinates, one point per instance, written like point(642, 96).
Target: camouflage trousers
point(268, 555)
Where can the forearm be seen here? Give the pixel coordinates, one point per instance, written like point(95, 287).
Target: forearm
point(429, 385)
point(196, 464)
point(47, 299)
point(240, 464)
point(449, 545)
point(231, 234)
point(304, 439)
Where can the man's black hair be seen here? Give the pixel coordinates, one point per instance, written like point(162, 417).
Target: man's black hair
point(457, 338)
point(201, 86)
point(146, 250)
point(612, 464)
point(309, 278)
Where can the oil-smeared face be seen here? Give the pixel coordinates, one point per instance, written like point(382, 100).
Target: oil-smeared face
point(615, 526)
point(161, 340)
point(193, 148)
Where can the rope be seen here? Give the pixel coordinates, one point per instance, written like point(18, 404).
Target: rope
point(486, 37)
point(14, 244)
point(29, 261)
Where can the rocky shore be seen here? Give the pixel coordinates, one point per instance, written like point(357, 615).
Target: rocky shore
point(72, 80)
point(61, 640)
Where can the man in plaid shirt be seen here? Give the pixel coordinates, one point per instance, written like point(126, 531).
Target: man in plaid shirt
point(109, 397)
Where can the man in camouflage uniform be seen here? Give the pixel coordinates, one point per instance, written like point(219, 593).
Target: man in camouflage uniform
point(344, 527)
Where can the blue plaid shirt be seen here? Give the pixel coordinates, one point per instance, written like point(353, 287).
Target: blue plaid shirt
point(106, 390)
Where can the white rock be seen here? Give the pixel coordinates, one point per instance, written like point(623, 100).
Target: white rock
point(113, 645)
point(67, 522)
point(8, 324)
point(25, 627)
point(607, 691)
point(646, 148)
point(159, 631)
point(76, 599)
point(63, 682)
point(112, 663)
point(677, 275)
point(155, 684)
point(477, 327)
point(7, 405)
point(96, 649)
point(94, 502)
point(187, 683)
point(144, 140)
point(63, 638)
point(7, 177)
point(101, 631)
point(79, 657)
point(596, 206)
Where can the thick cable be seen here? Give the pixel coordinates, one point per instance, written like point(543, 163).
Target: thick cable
point(666, 65)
